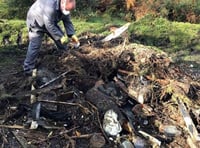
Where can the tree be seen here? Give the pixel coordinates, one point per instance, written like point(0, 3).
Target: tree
point(18, 8)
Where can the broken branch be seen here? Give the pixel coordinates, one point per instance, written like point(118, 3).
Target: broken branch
point(66, 103)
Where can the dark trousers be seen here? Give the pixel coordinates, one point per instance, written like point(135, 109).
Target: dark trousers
point(35, 40)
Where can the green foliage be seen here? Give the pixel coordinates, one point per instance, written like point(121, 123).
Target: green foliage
point(15, 8)
point(3, 9)
point(9, 29)
point(178, 10)
point(82, 5)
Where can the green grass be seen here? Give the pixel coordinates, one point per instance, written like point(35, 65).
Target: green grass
point(93, 24)
point(170, 36)
point(96, 24)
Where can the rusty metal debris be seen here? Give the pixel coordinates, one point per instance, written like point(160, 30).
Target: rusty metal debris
point(54, 79)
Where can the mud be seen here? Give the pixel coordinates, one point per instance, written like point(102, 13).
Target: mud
point(140, 84)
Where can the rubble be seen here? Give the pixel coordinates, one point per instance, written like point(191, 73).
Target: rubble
point(132, 86)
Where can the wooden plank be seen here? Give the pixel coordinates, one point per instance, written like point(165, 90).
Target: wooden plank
point(151, 138)
point(116, 33)
point(188, 121)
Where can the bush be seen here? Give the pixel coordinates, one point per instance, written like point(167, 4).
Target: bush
point(14, 8)
point(175, 10)
point(3, 10)
point(10, 31)
point(178, 10)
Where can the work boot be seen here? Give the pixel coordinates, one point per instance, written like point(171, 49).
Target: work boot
point(27, 73)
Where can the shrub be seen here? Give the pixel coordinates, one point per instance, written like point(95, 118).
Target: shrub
point(178, 10)
point(15, 8)
point(10, 31)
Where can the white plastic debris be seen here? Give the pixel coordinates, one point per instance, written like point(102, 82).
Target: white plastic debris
point(34, 125)
point(116, 33)
point(140, 98)
point(151, 138)
point(171, 131)
point(126, 144)
point(110, 123)
point(139, 142)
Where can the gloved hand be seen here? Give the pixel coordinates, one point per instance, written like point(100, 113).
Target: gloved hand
point(64, 40)
point(75, 41)
point(61, 44)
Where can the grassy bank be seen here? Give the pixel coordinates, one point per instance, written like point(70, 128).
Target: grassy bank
point(171, 37)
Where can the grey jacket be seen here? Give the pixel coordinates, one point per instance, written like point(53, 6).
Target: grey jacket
point(44, 15)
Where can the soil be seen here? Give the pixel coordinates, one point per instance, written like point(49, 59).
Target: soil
point(139, 84)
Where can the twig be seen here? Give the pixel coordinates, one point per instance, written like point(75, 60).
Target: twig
point(12, 126)
point(66, 103)
point(127, 72)
point(54, 79)
point(70, 140)
point(4, 139)
point(55, 136)
point(84, 136)
point(124, 44)
point(34, 92)
point(13, 73)
point(20, 139)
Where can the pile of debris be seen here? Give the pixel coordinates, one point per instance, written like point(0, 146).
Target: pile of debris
point(111, 94)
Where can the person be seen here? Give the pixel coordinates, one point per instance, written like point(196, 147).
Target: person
point(43, 17)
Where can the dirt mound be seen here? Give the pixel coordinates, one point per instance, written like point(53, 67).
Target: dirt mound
point(100, 95)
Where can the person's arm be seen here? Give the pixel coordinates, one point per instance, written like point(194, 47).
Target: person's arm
point(68, 25)
point(70, 31)
point(50, 23)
